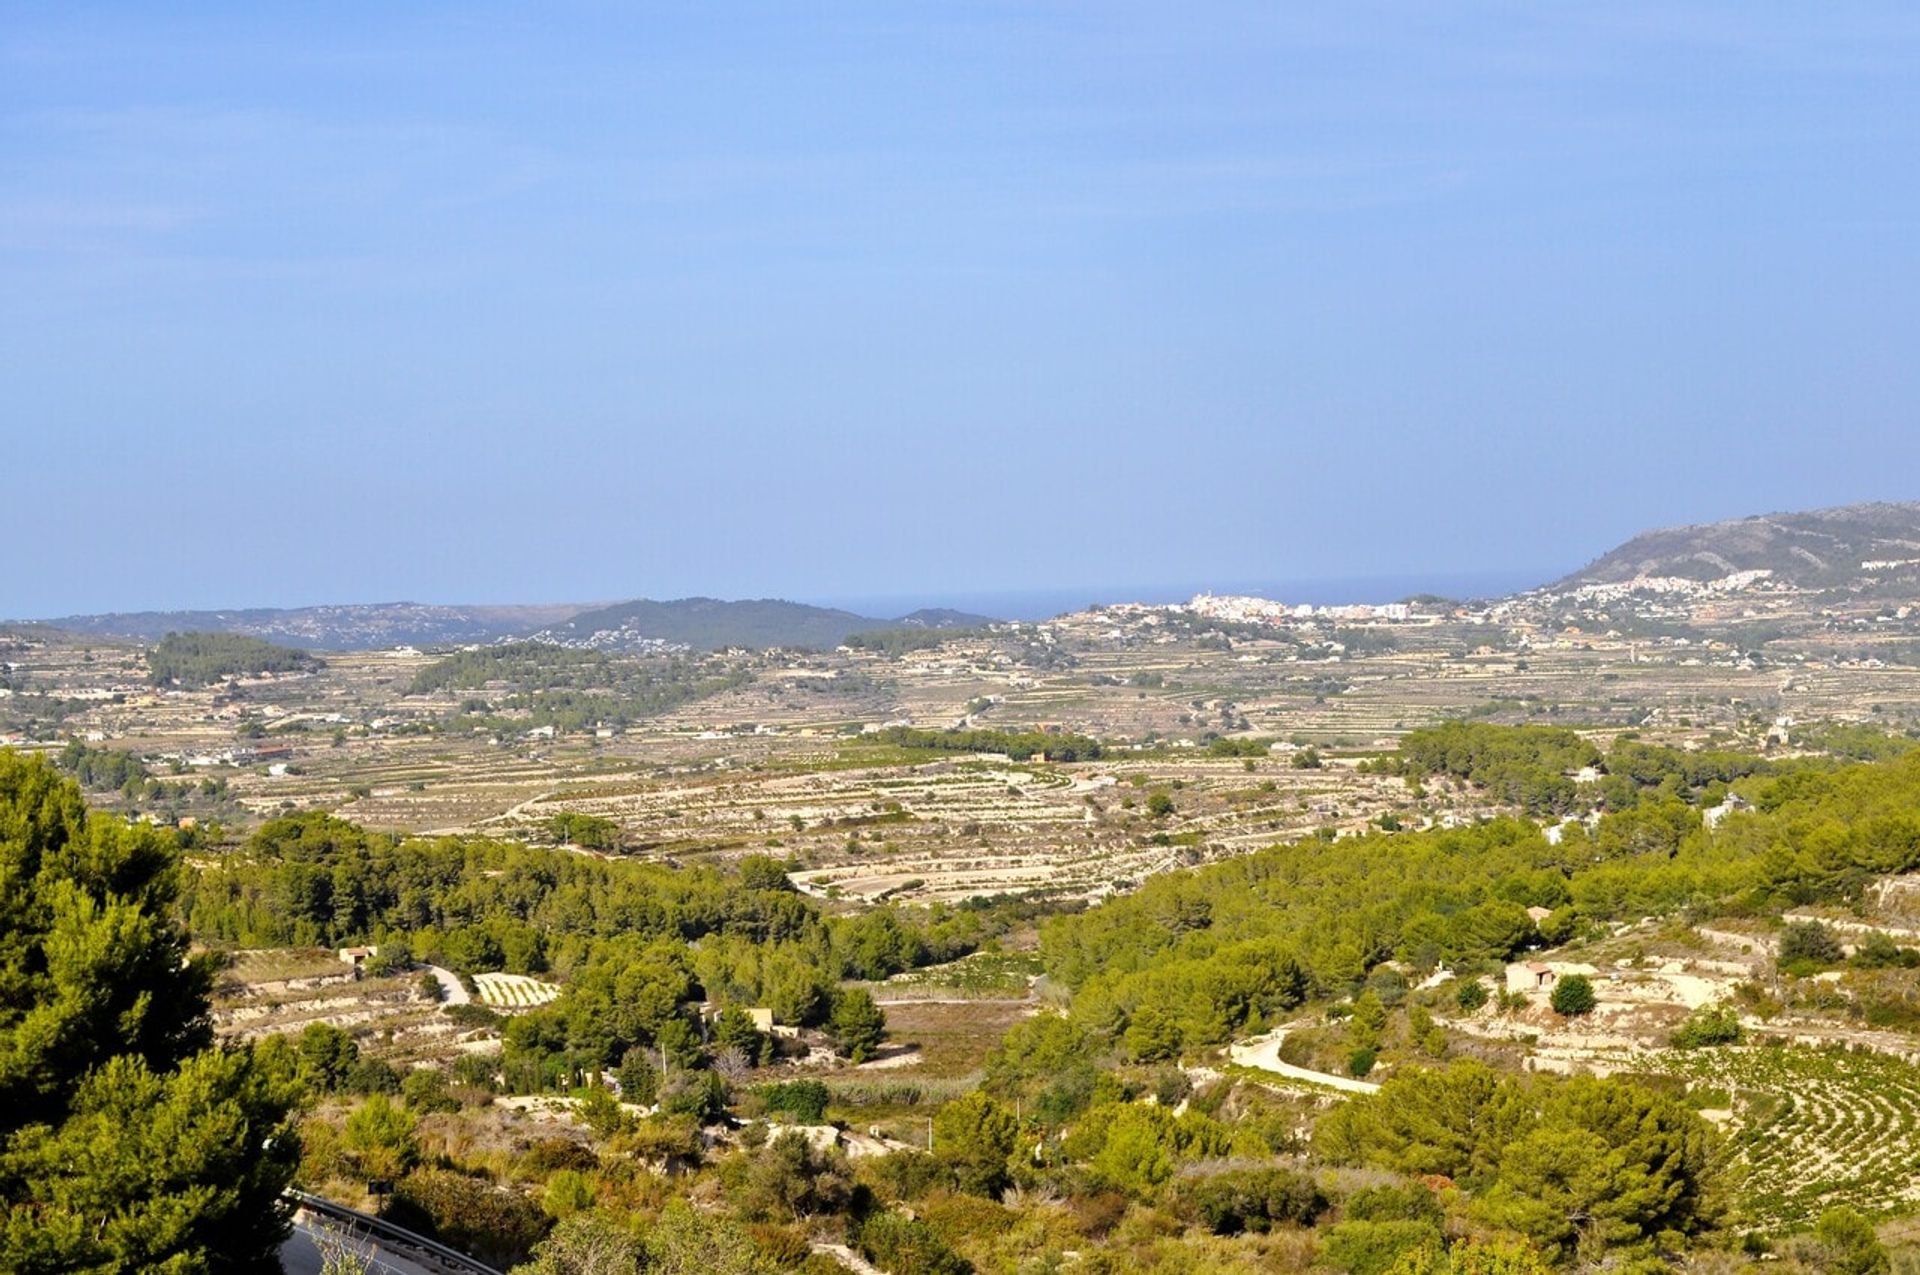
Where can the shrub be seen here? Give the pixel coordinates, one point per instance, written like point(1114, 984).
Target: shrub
point(550, 1155)
point(1808, 945)
point(1390, 985)
point(801, 1101)
point(473, 1014)
point(1362, 1247)
point(897, 1243)
point(699, 1094)
point(907, 1175)
point(388, 962)
point(568, 1192)
point(791, 1179)
point(1879, 952)
point(663, 1141)
point(370, 1076)
point(601, 1111)
point(586, 1242)
point(975, 1135)
point(380, 1134)
point(425, 1090)
point(1393, 1204)
point(1253, 1200)
point(1573, 996)
point(1851, 1247)
point(493, 1224)
point(1708, 1025)
point(1474, 1257)
point(1471, 995)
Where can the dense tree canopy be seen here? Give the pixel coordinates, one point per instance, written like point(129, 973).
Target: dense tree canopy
point(541, 684)
point(125, 1142)
point(1531, 767)
point(1199, 956)
point(198, 659)
point(1018, 745)
point(1576, 1165)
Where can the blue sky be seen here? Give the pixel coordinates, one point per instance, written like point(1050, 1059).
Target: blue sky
point(480, 302)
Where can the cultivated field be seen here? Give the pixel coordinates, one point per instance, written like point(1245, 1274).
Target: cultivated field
point(783, 762)
point(284, 990)
point(1808, 1128)
point(514, 991)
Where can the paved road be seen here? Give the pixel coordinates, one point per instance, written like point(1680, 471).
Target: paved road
point(301, 1256)
point(1264, 1052)
point(453, 991)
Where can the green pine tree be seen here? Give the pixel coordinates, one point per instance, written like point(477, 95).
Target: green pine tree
point(127, 1143)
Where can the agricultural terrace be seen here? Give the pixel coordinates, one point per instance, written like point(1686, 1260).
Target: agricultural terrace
point(514, 991)
point(1807, 1128)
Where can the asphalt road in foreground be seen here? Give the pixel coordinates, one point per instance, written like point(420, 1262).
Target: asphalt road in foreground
point(300, 1255)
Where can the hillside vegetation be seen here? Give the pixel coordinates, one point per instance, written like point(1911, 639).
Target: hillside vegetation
point(1099, 1115)
point(710, 624)
point(1191, 959)
point(540, 684)
point(127, 1141)
point(199, 659)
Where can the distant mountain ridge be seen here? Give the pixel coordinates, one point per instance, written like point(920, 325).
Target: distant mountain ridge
point(1863, 549)
point(1846, 547)
point(709, 624)
point(703, 624)
point(345, 627)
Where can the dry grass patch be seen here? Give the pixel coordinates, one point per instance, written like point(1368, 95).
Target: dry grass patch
point(954, 1039)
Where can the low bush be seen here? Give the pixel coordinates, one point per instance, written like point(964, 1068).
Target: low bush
point(1252, 1200)
point(895, 1242)
point(476, 1217)
point(1708, 1025)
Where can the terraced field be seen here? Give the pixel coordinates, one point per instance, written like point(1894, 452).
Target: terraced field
point(1809, 1128)
point(948, 827)
point(782, 765)
point(514, 991)
point(284, 990)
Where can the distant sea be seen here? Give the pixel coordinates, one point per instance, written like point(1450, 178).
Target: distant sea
point(1040, 604)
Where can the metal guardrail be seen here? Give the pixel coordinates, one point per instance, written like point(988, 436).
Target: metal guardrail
point(357, 1225)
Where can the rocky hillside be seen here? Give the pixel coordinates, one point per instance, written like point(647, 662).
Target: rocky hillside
point(1852, 547)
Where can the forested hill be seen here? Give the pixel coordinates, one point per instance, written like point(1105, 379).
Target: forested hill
point(200, 659)
point(1851, 546)
point(710, 624)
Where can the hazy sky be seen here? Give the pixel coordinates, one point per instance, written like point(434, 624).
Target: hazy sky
point(473, 301)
